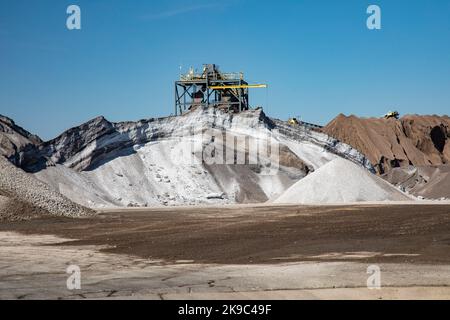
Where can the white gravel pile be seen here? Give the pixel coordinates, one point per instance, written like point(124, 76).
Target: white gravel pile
point(102, 164)
point(16, 184)
point(341, 181)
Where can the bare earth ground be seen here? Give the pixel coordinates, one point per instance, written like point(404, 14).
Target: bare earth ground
point(265, 252)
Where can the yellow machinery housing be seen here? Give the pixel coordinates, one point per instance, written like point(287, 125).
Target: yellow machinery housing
point(293, 122)
point(392, 114)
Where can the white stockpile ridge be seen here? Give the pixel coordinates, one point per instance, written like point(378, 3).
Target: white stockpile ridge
point(17, 184)
point(341, 181)
point(148, 171)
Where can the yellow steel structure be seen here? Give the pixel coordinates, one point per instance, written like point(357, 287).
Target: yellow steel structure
point(293, 122)
point(242, 86)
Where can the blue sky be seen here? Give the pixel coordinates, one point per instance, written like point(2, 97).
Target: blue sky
point(318, 57)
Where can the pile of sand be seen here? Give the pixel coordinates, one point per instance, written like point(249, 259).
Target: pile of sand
point(390, 143)
point(147, 163)
point(23, 196)
point(12, 209)
point(430, 182)
point(341, 181)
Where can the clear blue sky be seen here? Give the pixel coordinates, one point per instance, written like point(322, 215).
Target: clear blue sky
point(317, 56)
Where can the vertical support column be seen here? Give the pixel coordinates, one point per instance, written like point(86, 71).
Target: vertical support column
point(176, 99)
point(240, 96)
point(247, 101)
point(185, 89)
point(207, 89)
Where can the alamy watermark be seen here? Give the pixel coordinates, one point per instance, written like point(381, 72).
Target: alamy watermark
point(74, 280)
point(374, 280)
point(374, 20)
point(261, 150)
point(73, 21)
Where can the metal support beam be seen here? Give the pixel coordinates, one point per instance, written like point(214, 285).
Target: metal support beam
point(241, 86)
point(224, 90)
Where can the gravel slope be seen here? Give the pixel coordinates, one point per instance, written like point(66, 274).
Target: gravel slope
point(145, 163)
point(15, 141)
point(341, 181)
point(430, 182)
point(390, 143)
point(25, 196)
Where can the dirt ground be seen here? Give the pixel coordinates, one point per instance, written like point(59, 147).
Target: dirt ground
point(232, 252)
point(262, 234)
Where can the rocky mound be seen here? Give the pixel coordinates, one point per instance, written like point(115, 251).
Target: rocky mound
point(15, 141)
point(12, 209)
point(25, 196)
point(390, 143)
point(429, 182)
point(104, 164)
point(341, 181)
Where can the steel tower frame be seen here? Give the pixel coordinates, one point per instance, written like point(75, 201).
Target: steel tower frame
point(209, 83)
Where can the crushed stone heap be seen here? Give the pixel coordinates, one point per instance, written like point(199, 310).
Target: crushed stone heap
point(390, 143)
point(30, 194)
point(341, 181)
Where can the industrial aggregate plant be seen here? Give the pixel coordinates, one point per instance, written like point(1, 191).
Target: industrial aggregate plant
point(212, 88)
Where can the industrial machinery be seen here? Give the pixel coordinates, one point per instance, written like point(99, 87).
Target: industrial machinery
point(297, 122)
point(212, 88)
point(392, 114)
point(293, 122)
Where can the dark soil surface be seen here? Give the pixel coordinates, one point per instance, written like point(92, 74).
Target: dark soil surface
point(262, 234)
